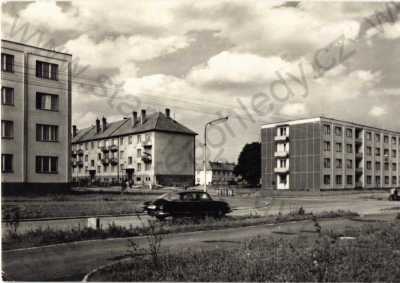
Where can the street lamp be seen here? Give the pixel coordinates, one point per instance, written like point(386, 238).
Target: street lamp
point(211, 123)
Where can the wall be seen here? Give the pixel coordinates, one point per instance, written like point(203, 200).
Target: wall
point(267, 158)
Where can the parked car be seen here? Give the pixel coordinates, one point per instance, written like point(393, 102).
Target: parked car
point(394, 194)
point(186, 204)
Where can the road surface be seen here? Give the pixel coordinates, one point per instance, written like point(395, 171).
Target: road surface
point(71, 261)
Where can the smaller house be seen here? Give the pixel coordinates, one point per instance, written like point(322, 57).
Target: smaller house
point(217, 173)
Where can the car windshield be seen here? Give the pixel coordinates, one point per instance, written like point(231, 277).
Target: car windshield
point(169, 196)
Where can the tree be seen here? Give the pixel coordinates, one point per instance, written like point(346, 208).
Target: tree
point(249, 163)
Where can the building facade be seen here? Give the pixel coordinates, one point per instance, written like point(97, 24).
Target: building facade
point(328, 154)
point(35, 118)
point(217, 173)
point(147, 149)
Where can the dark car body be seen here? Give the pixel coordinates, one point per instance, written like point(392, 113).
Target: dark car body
point(394, 194)
point(186, 204)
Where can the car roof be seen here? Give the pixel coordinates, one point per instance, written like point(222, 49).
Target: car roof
point(191, 191)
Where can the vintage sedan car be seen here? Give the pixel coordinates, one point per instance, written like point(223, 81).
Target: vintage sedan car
point(186, 204)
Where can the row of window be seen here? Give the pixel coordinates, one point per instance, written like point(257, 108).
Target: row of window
point(349, 180)
point(122, 140)
point(44, 133)
point(349, 164)
point(44, 101)
point(44, 164)
point(368, 149)
point(44, 70)
point(112, 167)
point(349, 134)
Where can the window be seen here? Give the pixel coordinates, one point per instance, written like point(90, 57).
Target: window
point(139, 138)
point(338, 147)
point(46, 101)
point(394, 153)
point(369, 151)
point(7, 96)
point(386, 166)
point(7, 62)
point(86, 157)
point(349, 180)
point(6, 163)
point(130, 139)
point(369, 180)
point(386, 139)
point(121, 154)
point(327, 163)
point(86, 145)
point(377, 151)
point(349, 133)
point(327, 179)
point(46, 164)
point(99, 156)
point(46, 133)
point(377, 180)
point(327, 146)
point(394, 180)
point(369, 165)
point(369, 136)
point(377, 166)
point(338, 163)
point(338, 179)
point(377, 138)
point(92, 163)
point(99, 169)
point(139, 152)
point(349, 164)
point(46, 70)
point(147, 166)
point(121, 140)
point(139, 167)
point(92, 145)
point(121, 166)
point(394, 167)
point(386, 180)
point(282, 131)
point(327, 130)
point(338, 131)
point(394, 141)
point(386, 152)
point(130, 160)
point(349, 148)
point(7, 129)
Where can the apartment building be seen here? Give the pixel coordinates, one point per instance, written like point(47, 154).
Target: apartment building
point(328, 154)
point(217, 173)
point(144, 149)
point(35, 118)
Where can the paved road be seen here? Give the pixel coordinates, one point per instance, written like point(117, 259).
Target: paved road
point(72, 261)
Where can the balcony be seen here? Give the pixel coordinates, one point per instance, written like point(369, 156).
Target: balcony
point(359, 184)
point(359, 170)
point(74, 164)
point(281, 169)
point(147, 144)
point(80, 163)
point(113, 148)
point(105, 161)
point(359, 155)
point(281, 154)
point(79, 152)
point(73, 153)
point(281, 138)
point(114, 161)
point(104, 149)
point(146, 157)
point(358, 140)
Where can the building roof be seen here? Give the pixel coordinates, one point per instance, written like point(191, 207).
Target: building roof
point(322, 118)
point(218, 166)
point(37, 47)
point(157, 121)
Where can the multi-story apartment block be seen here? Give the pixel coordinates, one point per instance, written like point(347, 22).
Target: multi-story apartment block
point(218, 173)
point(145, 149)
point(327, 154)
point(35, 118)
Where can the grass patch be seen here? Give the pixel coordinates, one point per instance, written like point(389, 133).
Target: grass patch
point(373, 256)
point(39, 237)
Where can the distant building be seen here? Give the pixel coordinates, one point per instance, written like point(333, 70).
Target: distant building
point(327, 154)
point(217, 173)
point(35, 118)
point(145, 149)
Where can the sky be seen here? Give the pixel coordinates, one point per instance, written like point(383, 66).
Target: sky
point(256, 61)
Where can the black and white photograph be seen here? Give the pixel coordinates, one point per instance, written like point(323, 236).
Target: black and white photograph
point(200, 141)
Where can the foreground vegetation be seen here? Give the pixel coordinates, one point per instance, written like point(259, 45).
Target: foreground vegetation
point(370, 253)
point(12, 239)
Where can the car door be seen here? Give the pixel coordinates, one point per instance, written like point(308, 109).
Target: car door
point(206, 204)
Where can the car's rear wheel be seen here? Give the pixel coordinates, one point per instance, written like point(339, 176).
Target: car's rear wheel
point(219, 213)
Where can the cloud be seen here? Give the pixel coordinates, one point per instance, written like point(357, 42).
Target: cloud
point(377, 111)
point(294, 109)
point(117, 52)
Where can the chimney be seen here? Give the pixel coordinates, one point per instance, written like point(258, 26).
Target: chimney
point(74, 130)
point(143, 118)
point(134, 118)
point(97, 125)
point(167, 112)
point(104, 124)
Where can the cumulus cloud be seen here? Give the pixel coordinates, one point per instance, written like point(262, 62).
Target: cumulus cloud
point(294, 109)
point(377, 111)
